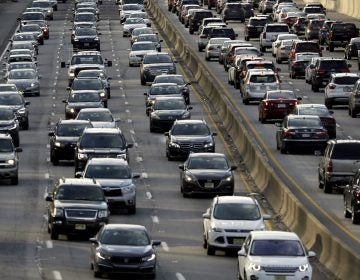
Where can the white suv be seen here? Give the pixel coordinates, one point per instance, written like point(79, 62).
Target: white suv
point(228, 222)
point(270, 33)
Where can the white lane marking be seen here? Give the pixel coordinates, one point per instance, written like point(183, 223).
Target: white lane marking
point(57, 275)
point(139, 159)
point(49, 244)
point(148, 195)
point(47, 175)
point(165, 246)
point(179, 276)
point(155, 219)
point(144, 175)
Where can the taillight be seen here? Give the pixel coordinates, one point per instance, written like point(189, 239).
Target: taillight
point(320, 72)
point(329, 167)
point(289, 133)
point(357, 193)
point(321, 134)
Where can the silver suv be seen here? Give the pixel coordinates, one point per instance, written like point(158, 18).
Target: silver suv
point(270, 33)
point(339, 163)
point(9, 160)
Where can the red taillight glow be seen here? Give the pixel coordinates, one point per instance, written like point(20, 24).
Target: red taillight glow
point(329, 168)
point(289, 133)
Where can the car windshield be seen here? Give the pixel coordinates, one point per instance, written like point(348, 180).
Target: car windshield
point(190, 129)
point(131, 7)
point(110, 171)
point(134, 20)
point(137, 32)
point(170, 104)
point(95, 116)
point(315, 111)
point(125, 237)
point(277, 28)
point(257, 22)
point(6, 146)
point(164, 90)
point(7, 87)
point(179, 80)
point(84, 97)
point(148, 37)
point(79, 192)
point(236, 211)
point(304, 122)
point(106, 141)
point(143, 47)
point(212, 162)
point(72, 130)
point(22, 75)
point(307, 47)
point(346, 80)
point(281, 95)
point(87, 84)
point(33, 16)
point(346, 151)
point(85, 32)
point(11, 99)
point(87, 59)
point(30, 28)
point(88, 17)
point(262, 79)
point(42, 4)
point(277, 248)
point(23, 37)
point(158, 58)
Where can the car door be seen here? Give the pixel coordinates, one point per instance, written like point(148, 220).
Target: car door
point(243, 260)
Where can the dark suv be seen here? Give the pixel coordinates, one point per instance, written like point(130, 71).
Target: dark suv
point(17, 102)
point(186, 136)
point(322, 71)
point(254, 27)
point(100, 142)
point(195, 20)
point(63, 139)
point(9, 160)
point(339, 34)
point(76, 206)
point(352, 199)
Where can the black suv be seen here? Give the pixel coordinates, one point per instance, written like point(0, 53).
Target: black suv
point(195, 20)
point(254, 27)
point(352, 199)
point(76, 206)
point(17, 102)
point(339, 34)
point(63, 139)
point(86, 38)
point(100, 142)
point(186, 136)
point(226, 32)
point(9, 124)
point(9, 160)
point(323, 69)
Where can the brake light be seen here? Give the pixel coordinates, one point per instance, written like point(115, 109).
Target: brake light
point(321, 134)
point(357, 193)
point(289, 133)
point(329, 167)
point(319, 72)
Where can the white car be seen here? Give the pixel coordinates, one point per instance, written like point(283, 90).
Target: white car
point(212, 49)
point(339, 88)
point(131, 23)
point(228, 222)
point(138, 50)
point(270, 33)
point(279, 38)
point(274, 255)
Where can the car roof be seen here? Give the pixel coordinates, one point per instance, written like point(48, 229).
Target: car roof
point(345, 75)
point(189, 121)
point(162, 84)
point(107, 161)
point(310, 105)
point(124, 226)
point(291, 116)
point(105, 130)
point(78, 181)
point(195, 155)
point(234, 199)
point(275, 234)
point(72, 121)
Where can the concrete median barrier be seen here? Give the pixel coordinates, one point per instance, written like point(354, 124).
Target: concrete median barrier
point(342, 261)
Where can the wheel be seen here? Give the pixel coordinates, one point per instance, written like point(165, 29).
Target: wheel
point(348, 56)
point(55, 161)
point(314, 88)
point(210, 250)
point(321, 184)
point(347, 214)
point(151, 128)
point(245, 101)
point(200, 49)
point(327, 187)
point(132, 210)
point(143, 81)
point(262, 49)
point(328, 104)
point(17, 142)
point(26, 125)
point(352, 113)
point(15, 180)
point(207, 58)
point(246, 38)
point(191, 31)
point(355, 217)
point(204, 242)
point(283, 149)
point(53, 234)
point(293, 76)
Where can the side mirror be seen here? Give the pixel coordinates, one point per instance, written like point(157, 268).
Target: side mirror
point(181, 166)
point(166, 133)
point(78, 174)
point(49, 197)
point(311, 254)
point(214, 134)
point(190, 108)
point(206, 216)
point(349, 65)
point(109, 63)
point(267, 217)
point(233, 167)
point(93, 240)
point(129, 145)
point(27, 103)
point(136, 175)
point(63, 64)
point(241, 253)
point(64, 101)
point(18, 150)
point(299, 98)
point(156, 242)
point(331, 112)
point(68, 88)
point(51, 133)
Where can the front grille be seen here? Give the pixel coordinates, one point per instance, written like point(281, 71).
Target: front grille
point(125, 260)
point(238, 230)
point(280, 269)
point(103, 155)
point(80, 213)
point(215, 182)
point(112, 192)
point(191, 146)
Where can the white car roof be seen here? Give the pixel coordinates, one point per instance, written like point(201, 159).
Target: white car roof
point(281, 235)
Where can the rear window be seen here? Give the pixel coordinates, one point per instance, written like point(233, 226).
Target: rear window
point(262, 79)
point(201, 15)
point(307, 47)
point(346, 151)
point(277, 28)
point(223, 32)
point(345, 27)
point(330, 65)
point(345, 80)
point(257, 22)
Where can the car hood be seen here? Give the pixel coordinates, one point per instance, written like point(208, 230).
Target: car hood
point(6, 123)
point(191, 138)
point(114, 182)
point(67, 139)
point(6, 156)
point(127, 251)
point(281, 261)
point(80, 204)
point(209, 173)
point(104, 124)
point(240, 225)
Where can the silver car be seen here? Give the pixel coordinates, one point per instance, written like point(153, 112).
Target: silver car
point(99, 117)
point(212, 49)
point(131, 23)
point(138, 50)
point(26, 80)
point(116, 179)
point(46, 7)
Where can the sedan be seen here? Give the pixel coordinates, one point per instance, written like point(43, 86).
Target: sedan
point(34, 29)
point(86, 39)
point(212, 49)
point(26, 80)
point(131, 23)
point(351, 49)
point(152, 38)
point(165, 110)
point(100, 74)
point(138, 50)
point(277, 104)
point(99, 117)
point(206, 173)
point(326, 116)
point(123, 248)
point(301, 132)
point(176, 79)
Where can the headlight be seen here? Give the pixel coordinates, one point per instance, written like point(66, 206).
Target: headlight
point(96, 39)
point(76, 39)
point(174, 145)
point(82, 156)
point(148, 258)
point(102, 256)
point(209, 144)
point(228, 178)
point(71, 110)
point(102, 213)
point(21, 111)
point(255, 267)
point(215, 229)
point(186, 115)
point(128, 189)
point(102, 94)
point(304, 267)
point(57, 144)
point(10, 162)
point(33, 84)
point(189, 178)
point(58, 212)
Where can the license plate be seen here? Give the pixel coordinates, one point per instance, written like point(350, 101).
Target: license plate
point(80, 226)
point(305, 135)
point(281, 105)
point(280, 277)
point(209, 185)
point(238, 241)
point(260, 28)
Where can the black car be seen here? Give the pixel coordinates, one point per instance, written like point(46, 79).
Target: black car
point(352, 199)
point(95, 83)
point(9, 124)
point(312, 29)
point(154, 64)
point(161, 89)
point(195, 20)
point(165, 110)
point(76, 206)
point(100, 142)
point(63, 139)
point(340, 34)
point(351, 49)
point(186, 136)
point(81, 99)
point(17, 102)
point(86, 39)
point(123, 249)
point(254, 27)
point(233, 11)
point(224, 32)
point(206, 173)
point(297, 66)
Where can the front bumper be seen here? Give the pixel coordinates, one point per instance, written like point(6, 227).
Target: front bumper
point(63, 226)
point(210, 187)
point(116, 198)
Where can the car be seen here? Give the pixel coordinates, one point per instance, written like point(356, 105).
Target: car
point(186, 136)
point(90, 84)
point(351, 49)
point(281, 253)
point(8, 88)
point(46, 7)
point(240, 51)
point(31, 17)
point(323, 68)
point(19, 65)
point(312, 29)
point(203, 37)
point(233, 11)
point(88, 9)
point(79, 25)
point(301, 46)
point(152, 38)
point(139, 31)
point(301, 131)
point(138, 50)
point(86, 38)
point(298, 64)
point(127, 9)
point(326, 116)
point(184, 11)
point(212, 48)
point(142, 15)
point(154, 64)
point(324, 30)
point(45, 28)
point(161, 89)
point(28, 46)
point(279, 38)
point(63, 138)
point(237, 72)
point(131, 23)
point(16, 102)
point(100, 74)
point(24, 37)
point(229, 220)
point(99, 117)
point(256, 82)
point(338, 164)
point(116, 178)
point(266, 6)
point(224, 48)
point(340, 34)
point(282, 50)
point(339, 88)
point(276, 104)
point(115, 245)
point(354, 100)
point(309, 69)
point(298, 27)
point(206, 174)
point(270, 33)
point(81, 99)
point(26, 80)
point(76, 206)
point(176, 79)
point(85, 17)
point(9, 159)
point(189, 14)
point(34, 29)
point(351, 199)
point(165, 110)
point(100, 142)
point(254, 27)
point(195, 19)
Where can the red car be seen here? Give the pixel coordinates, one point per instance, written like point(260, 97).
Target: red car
point(276, 104)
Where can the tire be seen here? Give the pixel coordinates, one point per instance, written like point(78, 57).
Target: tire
point(321, 184)
point(17, 142)
point(314, 88)
point(328, 104)
point(143, 81)
point(352, 113)
point(15, 180)
point(327, 187)
point(191, 31)
point(245, 101)
point(97, 274)
point(55, 161)
point(347, 214)
point(355, 218)
point(246, 38)
point(200, 49)
point(151, 128)
point(207, 58)
point(349, 56)
point(53, 234)
point(26, 125)
point(132, 210)
point(210, 250)
point(283, 149)
point(262, 49)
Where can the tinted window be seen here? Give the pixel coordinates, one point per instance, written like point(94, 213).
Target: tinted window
point(277, 28)
point(236, 211)
point(80, 193)
point(13, 99)
point(87, 84)
point(87, 59)
point(101, 141)
point(345, 80)
point(6, 146)
point(164, 90)
point(262, 79)
point(330, 65)
point(108, 171)
point(305, 122)
point(169, 105)
point(71, 129)
point(190, 129)
point(208, 163)
point(346, 151)
point(307, 47)
point(125, 237)
point(276, 248)
point(84, 97)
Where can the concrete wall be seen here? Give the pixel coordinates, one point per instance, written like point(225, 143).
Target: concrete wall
point(348, 7)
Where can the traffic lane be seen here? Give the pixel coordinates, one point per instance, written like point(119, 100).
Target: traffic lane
point(269, 134)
